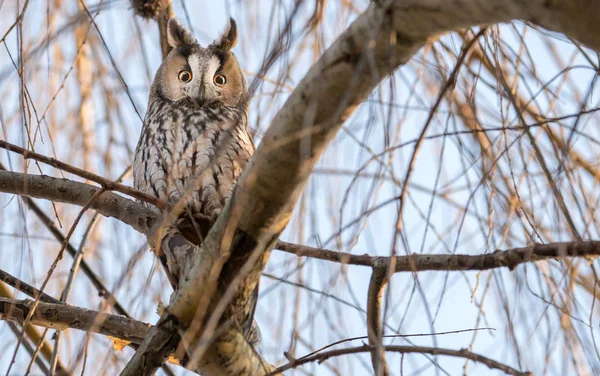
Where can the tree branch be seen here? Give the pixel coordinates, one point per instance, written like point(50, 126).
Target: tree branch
point(67, 191)
point(35, 337)
point(63, 316)
point(379, 279)
point(510, 258)
point(107, 184)
point(26, 288)
point(321, 357)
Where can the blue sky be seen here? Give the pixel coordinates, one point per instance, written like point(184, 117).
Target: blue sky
point(441, 302)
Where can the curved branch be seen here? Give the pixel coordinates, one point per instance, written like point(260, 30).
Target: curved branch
point(71, 192)
point(379, 279)
point(321, 357)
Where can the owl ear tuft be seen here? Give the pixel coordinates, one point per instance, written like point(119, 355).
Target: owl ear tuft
point(178, 35)
point(228, 39)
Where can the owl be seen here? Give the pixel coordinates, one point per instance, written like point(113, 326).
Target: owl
point(194, 142)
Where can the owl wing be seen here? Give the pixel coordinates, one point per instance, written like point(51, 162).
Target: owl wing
point(215, 171)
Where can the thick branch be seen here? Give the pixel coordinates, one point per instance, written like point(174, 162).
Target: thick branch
point(71, 192)
point(107, 184)
point(510, 258)
point(62, 316)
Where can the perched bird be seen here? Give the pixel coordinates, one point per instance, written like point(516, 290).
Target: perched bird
point(194, 142)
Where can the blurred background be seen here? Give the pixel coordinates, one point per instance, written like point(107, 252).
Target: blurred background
point(516, 134)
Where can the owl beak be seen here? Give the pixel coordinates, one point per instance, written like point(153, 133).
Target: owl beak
point(200, 98)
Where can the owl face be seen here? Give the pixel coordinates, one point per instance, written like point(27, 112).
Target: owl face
point(199, 77)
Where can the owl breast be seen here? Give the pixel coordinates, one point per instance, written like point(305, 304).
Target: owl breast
point(192, 157)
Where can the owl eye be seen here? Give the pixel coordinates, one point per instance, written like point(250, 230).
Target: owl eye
point(220, 80)
point(185, 76)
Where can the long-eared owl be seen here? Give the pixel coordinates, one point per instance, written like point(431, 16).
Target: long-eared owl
point(194, 142)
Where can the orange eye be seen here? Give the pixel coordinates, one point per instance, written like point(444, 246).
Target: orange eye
point(220, 80)
point(185, 76)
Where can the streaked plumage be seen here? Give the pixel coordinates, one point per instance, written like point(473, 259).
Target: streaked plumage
point(194, 142)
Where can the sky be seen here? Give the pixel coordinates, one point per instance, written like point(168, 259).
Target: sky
point(331, 305)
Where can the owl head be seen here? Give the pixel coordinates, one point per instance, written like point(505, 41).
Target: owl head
point(197, 76)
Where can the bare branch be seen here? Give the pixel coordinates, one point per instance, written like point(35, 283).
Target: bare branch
point(26, 288)
point(321, 357)
point(62, 316)
point(71, 192)
point(379, 279)
point(15, 328)
point(107, 184)
point(33, 292)
point(510, 258)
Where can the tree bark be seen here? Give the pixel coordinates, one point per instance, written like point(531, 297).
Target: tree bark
point(62, 190)
point(63, 316)
point(509, 258)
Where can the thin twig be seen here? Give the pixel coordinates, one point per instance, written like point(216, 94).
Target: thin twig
point(395, 336)
point(403, 350)
point(69, 285)
point(28, 346)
